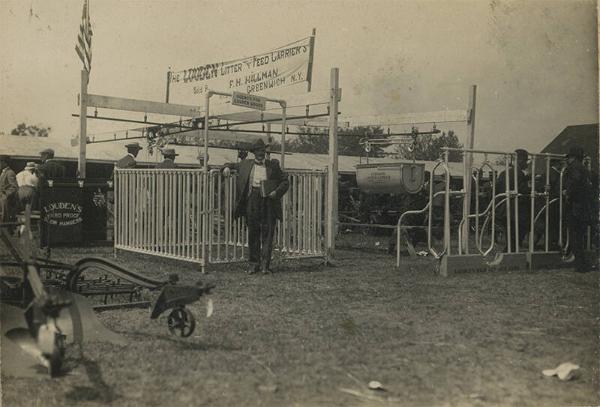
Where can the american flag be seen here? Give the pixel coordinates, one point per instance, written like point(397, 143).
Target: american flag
point(84, 39)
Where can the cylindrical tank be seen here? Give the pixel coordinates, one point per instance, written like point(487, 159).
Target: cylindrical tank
point(391, 178)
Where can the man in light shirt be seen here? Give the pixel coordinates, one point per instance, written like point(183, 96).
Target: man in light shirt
point(260, 186)
point(28, 183)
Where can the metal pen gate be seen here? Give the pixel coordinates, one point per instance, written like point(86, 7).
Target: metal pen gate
point(189, 215)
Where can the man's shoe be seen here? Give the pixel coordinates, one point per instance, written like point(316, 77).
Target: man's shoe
point(266, 271)
point(252, 270)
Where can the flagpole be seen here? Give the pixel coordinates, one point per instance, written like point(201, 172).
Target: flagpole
point(310, 59)
point(82, 124)
point(168, 85)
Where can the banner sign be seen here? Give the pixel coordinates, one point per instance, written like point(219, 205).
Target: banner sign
point(62, 215)
point(284, 66)
point(249, 101)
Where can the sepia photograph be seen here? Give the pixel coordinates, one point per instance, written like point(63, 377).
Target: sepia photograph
point(299, 203)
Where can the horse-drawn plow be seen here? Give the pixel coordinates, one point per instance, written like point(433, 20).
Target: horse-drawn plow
point(47, 304)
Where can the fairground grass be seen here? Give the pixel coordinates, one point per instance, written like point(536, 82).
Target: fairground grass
point(312, 335)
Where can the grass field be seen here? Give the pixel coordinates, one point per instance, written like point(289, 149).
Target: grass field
point(311, 335)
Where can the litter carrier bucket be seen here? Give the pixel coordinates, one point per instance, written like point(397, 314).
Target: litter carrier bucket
point(391, 178)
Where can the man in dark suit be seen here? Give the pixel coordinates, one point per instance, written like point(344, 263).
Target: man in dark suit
point(260, 186)
point(129, 160)
point(579, 206)
point(8, 191)
point(168, 159)
point(50, 168)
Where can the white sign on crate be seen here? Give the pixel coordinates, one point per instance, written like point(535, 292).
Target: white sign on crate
point(249, 101)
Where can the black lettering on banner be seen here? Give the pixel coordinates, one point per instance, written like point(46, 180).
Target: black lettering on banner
point(288, 52)
point(201, 73)
point(231, 69)
point(268, 84)
point(259, 61)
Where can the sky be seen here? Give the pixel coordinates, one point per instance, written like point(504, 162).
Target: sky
point(535, 63)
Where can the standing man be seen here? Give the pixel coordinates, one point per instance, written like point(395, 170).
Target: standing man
point(8, 190)
point(524, 193)
point(50, 168)
point(28, 183)
point(168, 159)
point(260, 186)
point(579, 203)
point(129, 160)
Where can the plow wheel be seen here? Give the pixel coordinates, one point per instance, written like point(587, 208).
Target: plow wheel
point(181, 322)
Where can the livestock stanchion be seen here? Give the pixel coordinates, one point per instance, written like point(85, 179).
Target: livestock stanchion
point(501, 215)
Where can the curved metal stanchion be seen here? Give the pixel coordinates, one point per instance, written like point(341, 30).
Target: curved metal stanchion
point(446, 209)
point(399, 228)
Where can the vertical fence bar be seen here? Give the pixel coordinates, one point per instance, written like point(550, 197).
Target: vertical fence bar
point(187, 214)
point(447, 230)
point(532, 209)
point(139, 213)
point(547, 214)
point(147, 218)
point(225, 217)
point(178, 209)
point(218, 213)
point(194, 212)
point(115, 207)
point(516, 204)
point(508, 205)
point(124, 217)
point(173, 217)
point(284, 222)
point(129, 204)
point(295, 218)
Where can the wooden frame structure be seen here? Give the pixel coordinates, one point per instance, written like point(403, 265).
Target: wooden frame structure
point(330, 98)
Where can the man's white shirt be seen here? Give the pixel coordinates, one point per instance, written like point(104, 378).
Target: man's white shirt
point(26, 178)
point(259, 173)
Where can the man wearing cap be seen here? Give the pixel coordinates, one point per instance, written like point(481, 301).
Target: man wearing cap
point(169, 159)
point(129, 160)
point(523, 199)
point(8, 190)
point(50, 168)
point(28, 183)
point(260, 186)
point(579, 202)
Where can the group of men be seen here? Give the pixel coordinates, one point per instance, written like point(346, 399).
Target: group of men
point(580, 204)
point(169, 154)
point(578, 197)
point(18, 190)
point(260, 187)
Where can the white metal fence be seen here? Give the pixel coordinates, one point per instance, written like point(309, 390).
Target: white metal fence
point(189, 215)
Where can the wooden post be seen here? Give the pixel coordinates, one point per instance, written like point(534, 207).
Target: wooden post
point(468, 163)
point(82, 124)
point(205, 200)
point(168, 85)
point(310, 59)
point(332, 175)
point(283, 130)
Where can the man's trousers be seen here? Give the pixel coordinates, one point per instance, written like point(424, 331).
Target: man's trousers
point(261, 222)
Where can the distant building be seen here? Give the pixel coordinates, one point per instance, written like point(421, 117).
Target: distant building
point(583, 135)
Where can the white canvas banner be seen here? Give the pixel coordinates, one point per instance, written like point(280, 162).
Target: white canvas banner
point(257, 74)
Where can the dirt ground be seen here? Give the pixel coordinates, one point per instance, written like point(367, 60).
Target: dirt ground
point(311, 335)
